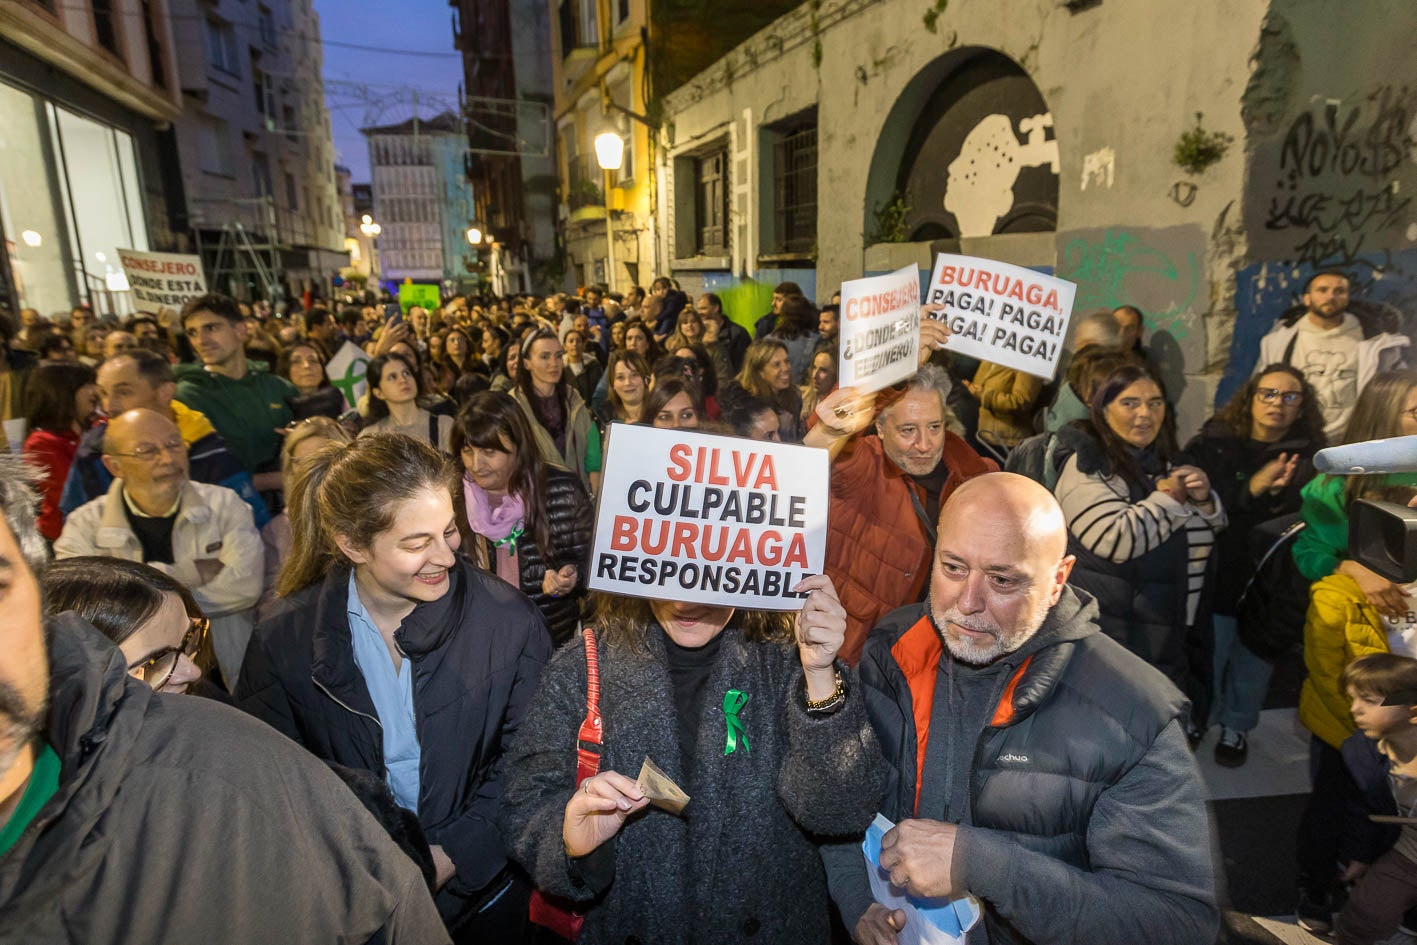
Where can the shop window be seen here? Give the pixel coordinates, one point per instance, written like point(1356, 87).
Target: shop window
point(29, 212)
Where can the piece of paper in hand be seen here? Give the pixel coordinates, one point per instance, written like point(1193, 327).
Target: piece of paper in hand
point(660, 788)
point(927, 921)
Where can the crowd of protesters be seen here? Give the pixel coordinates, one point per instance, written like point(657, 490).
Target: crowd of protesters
point(340, 639)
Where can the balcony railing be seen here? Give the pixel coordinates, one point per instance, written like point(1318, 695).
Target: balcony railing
point(583, 183)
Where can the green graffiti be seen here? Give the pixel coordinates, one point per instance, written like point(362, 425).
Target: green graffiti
point(746, 302)
point(1121, 269)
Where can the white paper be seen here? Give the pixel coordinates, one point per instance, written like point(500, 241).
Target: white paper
point(1001, 313)
point(927, 921)
point(15, 434)
point(346, 372)
point(711, 519)
point(163, 280)
point(880, 330)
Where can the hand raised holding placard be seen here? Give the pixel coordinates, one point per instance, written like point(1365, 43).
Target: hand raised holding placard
point(933, 334)
point(821, 629)
point(845, 412)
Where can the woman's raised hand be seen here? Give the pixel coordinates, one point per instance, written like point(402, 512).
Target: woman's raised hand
point(598, 810)
point(821, 630)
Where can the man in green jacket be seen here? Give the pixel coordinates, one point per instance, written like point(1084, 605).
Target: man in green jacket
point(248, 406)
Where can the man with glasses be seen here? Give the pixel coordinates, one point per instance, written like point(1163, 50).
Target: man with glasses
point(1338, 350)
point(200, 534)
point(141, 379)
point(212, 827)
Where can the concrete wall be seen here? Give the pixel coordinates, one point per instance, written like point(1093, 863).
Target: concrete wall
point(1121, 81)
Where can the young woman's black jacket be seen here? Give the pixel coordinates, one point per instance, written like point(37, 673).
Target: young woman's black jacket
point(477, 656)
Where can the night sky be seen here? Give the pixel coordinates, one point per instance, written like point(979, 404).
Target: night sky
point(421, 25)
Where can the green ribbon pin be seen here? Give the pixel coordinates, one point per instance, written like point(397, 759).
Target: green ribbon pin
point(733, 702)
point(511, 540)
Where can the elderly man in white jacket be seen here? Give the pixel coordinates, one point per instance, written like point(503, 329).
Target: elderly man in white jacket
point(201, 534)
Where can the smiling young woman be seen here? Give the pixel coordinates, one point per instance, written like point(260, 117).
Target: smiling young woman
point(390, 653)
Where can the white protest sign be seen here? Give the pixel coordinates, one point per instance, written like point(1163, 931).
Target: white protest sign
point(880, 330)
point(1002, 313)
point(709, 519)
point(163, 280)
point(346, 371)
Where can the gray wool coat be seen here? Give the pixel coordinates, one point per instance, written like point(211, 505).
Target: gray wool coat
point(742, 863)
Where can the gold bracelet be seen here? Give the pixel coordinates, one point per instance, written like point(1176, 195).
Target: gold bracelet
point(837, 695)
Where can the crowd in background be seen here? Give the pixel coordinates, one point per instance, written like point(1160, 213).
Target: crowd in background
point(219, 509)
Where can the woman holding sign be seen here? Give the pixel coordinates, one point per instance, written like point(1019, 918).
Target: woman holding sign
point(751, 716)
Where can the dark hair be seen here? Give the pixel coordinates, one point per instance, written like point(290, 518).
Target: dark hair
point(713, 300)
point(1380, 674)
point(745, 412)
point(151, 366)
point(217, 304)
point(654, 352)
point(317, 316)
point(623, 621)
point(351, 489)
point(707, 376)
point(527, 385)
point(54, 342)
point(1093, 364)
point(787, 288)
point(378, 409)
point(1117, 451)
point(468, 384)
point(796, 318)
point(665, 390)
point(49, 395)
point(485, 421)
point(1309, 282)
point(1238, 413)
point(637, 364)
point(470, 352)
point(349, 315)
point(288, 352)
point(117, 596)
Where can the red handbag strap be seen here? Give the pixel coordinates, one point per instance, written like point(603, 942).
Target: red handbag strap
point(588, 740)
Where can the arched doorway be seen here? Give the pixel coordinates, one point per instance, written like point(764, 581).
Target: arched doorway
point(971, 146)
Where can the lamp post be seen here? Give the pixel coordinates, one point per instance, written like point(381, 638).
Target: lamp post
point(609, 154)
point(371, 231)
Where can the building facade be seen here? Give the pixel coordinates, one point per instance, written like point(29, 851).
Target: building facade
point(87, 157)
point(423, 202)
point(511, 158)
point(257, 154)
point(613, 61)
point(854, 137)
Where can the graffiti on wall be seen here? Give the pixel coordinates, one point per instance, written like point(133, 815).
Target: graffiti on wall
point(1128, 267)
point(1336, 196)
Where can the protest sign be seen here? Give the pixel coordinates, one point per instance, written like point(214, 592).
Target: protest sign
point(162, 280)
point(1002, 313)
point(880, 330)
point(709, 519)
point(424, 296)
point(346, 372)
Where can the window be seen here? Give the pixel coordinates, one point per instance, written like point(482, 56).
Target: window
point(36, 246)
point(292, 198)
point(150, 33)
point(794, 191)
point(105, 26)
point(622, 11)
point(288, 121)
point(267, 26)
point(221, 47)
point(265, 95)
point(711, 204)
point(214, 147)
point(590, 23)
point(261, 174)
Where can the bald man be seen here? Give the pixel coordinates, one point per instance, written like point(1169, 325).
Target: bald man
point(1033, 761)
point(202, 535)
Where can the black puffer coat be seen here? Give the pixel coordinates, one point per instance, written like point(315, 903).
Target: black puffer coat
point(571, 518)
point(477, 654)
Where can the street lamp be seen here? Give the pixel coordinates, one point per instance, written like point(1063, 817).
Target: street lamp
point(368, 227)
point(371, 231)
point(474, 235)
point(609, 154)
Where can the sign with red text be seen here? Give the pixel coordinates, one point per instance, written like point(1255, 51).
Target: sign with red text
point(163, 280)
point(880, 330)
point(709, 519)
point(1002, 313)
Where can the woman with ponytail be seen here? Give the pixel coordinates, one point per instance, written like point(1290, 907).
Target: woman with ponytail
point(389, 652)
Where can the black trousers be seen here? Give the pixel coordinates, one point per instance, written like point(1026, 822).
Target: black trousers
point(1320, 829)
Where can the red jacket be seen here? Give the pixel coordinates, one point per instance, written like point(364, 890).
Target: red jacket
point(52, 454)
point(878, 554)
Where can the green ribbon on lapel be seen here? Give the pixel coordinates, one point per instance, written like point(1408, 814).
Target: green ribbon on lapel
point(733, 702)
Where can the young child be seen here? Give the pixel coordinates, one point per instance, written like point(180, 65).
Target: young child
point(1382, 760)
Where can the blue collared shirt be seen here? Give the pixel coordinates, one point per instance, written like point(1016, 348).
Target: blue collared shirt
point(392, 692)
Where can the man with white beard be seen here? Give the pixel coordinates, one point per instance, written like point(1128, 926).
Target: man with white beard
point(1032, 761)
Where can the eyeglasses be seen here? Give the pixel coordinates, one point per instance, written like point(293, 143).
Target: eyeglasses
point(157, 669)
point(1270, 395)
point(147, 452)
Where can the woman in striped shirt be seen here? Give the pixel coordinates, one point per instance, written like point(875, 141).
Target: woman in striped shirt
point(1142, 523)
